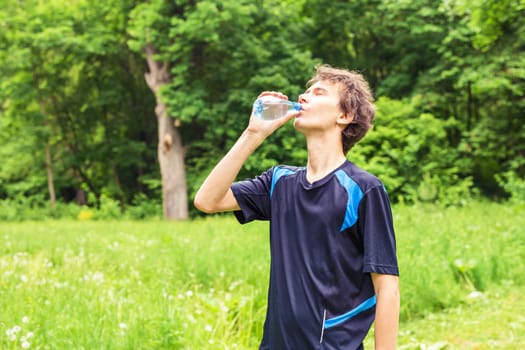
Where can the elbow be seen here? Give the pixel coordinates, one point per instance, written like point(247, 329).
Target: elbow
point(199, 203)
point(211, 203)
point(202, 204)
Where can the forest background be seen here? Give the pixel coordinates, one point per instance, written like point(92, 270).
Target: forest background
point(120, 108)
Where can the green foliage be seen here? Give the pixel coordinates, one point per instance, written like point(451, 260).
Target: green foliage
point(478, 81)
point(35, 208)
point(70, 84)
point(448, 77)
point(404, 149)
point(512, 183)
point(143, 207)
point(222, 55)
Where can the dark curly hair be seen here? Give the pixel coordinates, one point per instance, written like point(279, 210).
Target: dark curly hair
point(356, 99)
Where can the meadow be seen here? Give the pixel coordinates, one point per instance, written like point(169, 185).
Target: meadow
point(202, 284)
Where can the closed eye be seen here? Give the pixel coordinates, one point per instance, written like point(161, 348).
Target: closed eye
point(320, 91)
point(317, 91)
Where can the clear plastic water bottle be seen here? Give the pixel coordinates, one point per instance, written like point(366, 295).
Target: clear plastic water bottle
point(271, 107)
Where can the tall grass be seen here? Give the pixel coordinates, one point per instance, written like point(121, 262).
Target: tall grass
point(446, 254)
point(203, 284)
point(132, 285)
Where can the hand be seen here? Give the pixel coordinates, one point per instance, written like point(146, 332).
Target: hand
point(264, 128)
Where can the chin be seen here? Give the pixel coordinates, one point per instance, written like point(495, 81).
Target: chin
point(299, 125)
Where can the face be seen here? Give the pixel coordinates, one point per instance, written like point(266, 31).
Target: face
point(320, 108)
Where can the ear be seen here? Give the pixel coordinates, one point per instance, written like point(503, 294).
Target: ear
point(344, 119)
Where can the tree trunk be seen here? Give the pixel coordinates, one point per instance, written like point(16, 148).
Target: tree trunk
point(171, 159)
point(47, 146)
point(469, 106)
point(50, 183)
point(80, 197)
point(118, 186)
point(170, 149)
point(49, 163)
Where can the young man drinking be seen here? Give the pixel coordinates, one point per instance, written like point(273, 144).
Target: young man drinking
point(333, 253)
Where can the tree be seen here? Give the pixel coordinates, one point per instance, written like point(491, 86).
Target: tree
point(68, 88)
point(207, 61)
point(390, 42)
point(478, 80)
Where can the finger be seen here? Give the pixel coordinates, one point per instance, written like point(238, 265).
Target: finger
point(288, 116)
point(273, 93)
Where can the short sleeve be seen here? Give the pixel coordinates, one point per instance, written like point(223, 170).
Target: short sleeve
point(376, 225)
point(253, 197)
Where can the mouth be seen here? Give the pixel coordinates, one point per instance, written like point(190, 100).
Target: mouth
point(304, 107)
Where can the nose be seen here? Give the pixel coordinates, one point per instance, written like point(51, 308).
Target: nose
point(302, 98)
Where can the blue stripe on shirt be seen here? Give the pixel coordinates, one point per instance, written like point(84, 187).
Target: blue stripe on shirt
point(277, 174)
point(365, 305)
point(354, 198)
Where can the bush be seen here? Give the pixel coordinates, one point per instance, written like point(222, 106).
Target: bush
point(512, 183)
point(109, 209)
point(408, 151)
point(143, 207)
point(37, 209)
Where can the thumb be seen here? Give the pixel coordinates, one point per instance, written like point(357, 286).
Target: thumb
point(288, 116)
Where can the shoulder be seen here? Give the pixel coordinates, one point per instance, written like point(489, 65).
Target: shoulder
point(353, 174)
point(279, 171)
point(286, 168)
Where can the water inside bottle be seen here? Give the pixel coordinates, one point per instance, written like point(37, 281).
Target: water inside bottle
point(274, 110)
point(271, 108)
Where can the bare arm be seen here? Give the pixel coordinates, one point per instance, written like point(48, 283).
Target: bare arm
point(387, 311)
point(215, 194)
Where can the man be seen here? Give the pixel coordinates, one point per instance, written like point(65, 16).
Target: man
point(333, 253)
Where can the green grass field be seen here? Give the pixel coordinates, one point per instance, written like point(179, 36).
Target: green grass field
point(202, 284)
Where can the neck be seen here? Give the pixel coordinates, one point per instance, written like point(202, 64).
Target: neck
point(324, 156)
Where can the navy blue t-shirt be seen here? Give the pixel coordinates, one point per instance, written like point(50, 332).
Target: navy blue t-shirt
point(326, 238)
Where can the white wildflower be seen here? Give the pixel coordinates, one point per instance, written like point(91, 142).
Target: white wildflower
point(98, 277)
point(475, 294)
point(11, 333)
point(224, 308)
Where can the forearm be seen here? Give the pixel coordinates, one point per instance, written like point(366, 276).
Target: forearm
point(212, 196)
point(387, 315)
